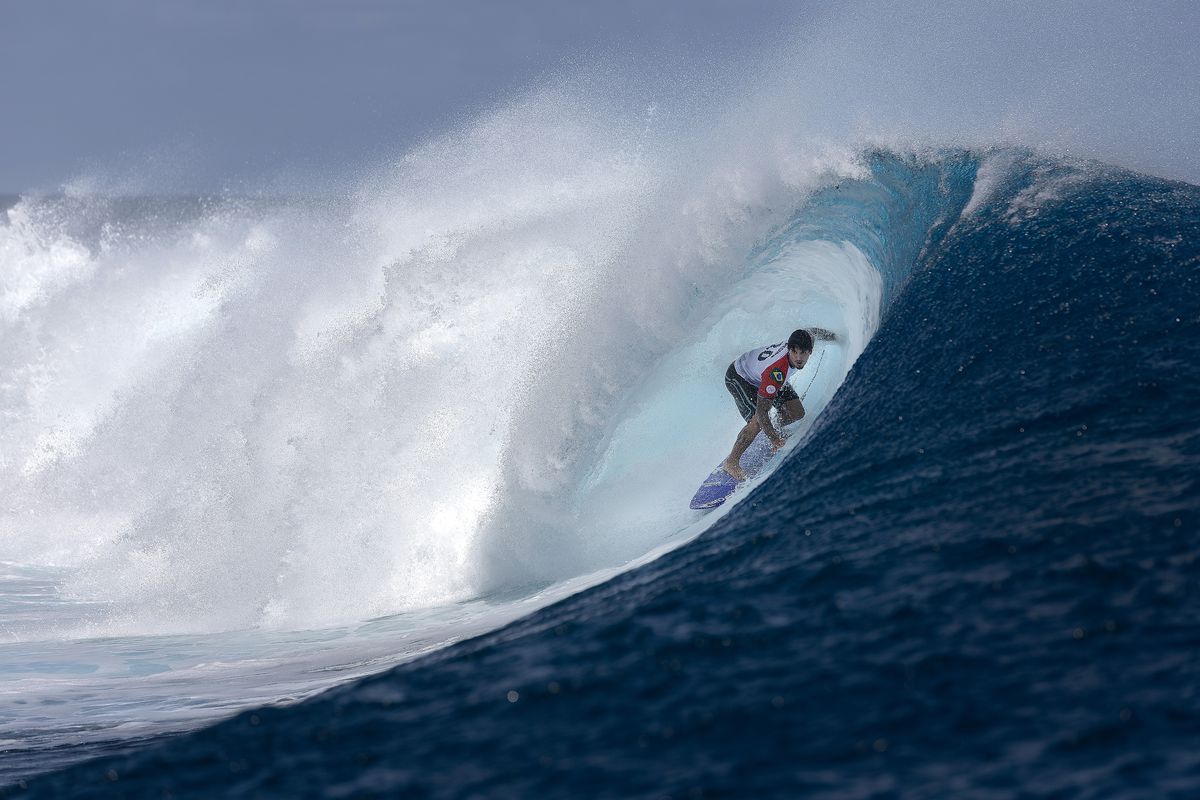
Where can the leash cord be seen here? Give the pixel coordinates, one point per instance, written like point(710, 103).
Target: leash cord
point(814, 376)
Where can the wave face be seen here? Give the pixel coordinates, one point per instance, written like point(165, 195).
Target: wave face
point(976, 573)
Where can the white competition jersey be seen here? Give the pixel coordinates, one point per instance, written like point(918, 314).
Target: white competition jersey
point(767, 368)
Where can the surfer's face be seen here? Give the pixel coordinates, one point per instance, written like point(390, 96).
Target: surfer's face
point(798, 358)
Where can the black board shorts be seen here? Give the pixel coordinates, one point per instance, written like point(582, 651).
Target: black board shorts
point(745, 393)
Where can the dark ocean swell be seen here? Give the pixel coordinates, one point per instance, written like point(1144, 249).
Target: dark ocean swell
point(978, 578)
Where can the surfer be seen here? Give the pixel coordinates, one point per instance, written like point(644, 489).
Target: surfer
point(758, 381)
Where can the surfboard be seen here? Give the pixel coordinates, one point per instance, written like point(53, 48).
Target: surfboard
point(720, 484)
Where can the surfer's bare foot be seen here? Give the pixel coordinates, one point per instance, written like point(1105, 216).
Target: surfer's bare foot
point(734, 470)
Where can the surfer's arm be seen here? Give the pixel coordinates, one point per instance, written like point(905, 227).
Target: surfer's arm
point(762, 415)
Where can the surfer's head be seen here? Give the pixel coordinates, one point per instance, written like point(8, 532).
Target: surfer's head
point(800, 347)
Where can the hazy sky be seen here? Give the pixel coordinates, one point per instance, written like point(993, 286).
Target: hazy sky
point(240, 88)
point(211, 94)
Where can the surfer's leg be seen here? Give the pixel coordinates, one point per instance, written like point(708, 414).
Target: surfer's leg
point(733, 464)
point(742, 391)
point(791, 411)
point(789, 406)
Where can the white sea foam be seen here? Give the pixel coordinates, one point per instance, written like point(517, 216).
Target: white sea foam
point(312, 413)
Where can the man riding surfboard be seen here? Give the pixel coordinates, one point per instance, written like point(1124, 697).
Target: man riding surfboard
point(757, 380)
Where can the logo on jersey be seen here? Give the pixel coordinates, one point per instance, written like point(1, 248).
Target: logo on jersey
point(770, 389)
point(777, 375)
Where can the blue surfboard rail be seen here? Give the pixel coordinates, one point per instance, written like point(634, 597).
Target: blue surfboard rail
point(720, 484)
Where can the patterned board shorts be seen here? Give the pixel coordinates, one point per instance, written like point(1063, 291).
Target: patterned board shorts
point(745, 393)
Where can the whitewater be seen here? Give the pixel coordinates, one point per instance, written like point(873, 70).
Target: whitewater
point(256, 445)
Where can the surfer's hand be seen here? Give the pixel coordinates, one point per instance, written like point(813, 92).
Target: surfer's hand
point(777, 442)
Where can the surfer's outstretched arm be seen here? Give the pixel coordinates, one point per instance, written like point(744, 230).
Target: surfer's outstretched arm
point(823, 335)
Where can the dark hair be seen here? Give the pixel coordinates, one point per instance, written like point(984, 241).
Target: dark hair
point(801, 340)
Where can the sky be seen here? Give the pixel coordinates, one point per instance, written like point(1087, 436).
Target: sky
point(229, 90)
point(246, 95)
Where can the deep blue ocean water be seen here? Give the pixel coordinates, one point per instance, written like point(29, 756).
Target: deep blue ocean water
point(977, 579)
